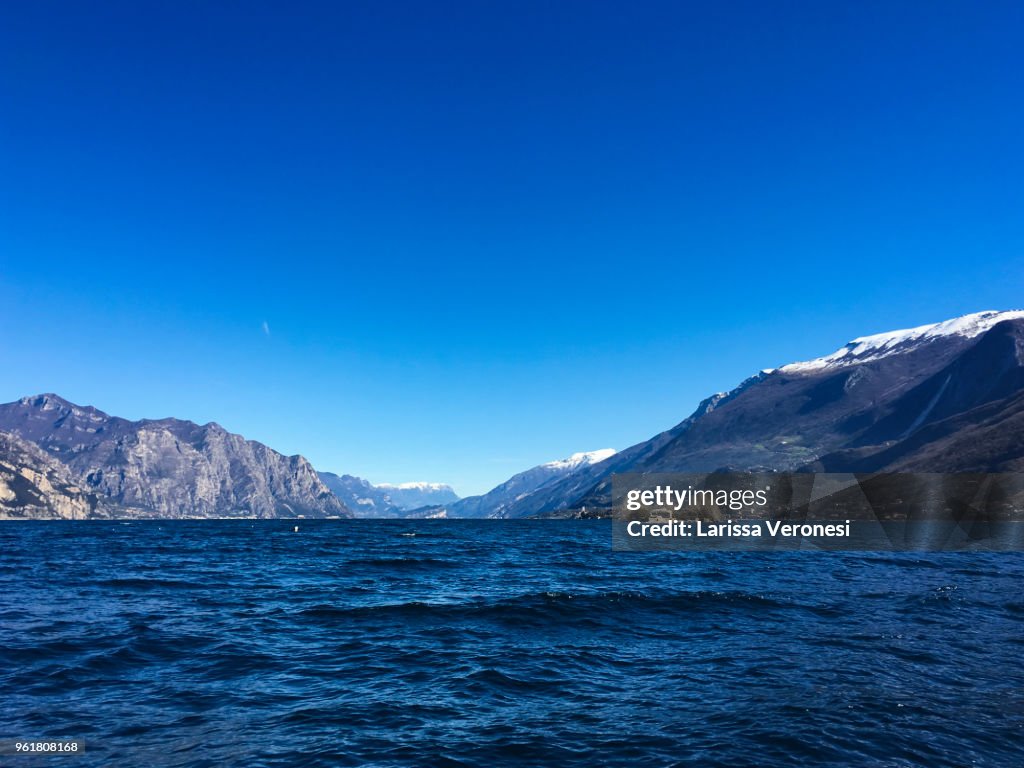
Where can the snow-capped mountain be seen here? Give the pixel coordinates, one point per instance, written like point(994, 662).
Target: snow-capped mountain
point(879, 345)
point(945, 397)
point(497, 501)
point(578, 460)
point(361, 496)
point(412, 495)
point(385, 499)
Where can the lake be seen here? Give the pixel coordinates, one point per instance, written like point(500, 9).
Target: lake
point(483, 643)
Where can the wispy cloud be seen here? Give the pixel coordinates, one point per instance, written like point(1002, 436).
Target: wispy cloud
point(266, 328)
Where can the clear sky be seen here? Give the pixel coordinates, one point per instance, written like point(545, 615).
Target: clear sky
point(448, 241)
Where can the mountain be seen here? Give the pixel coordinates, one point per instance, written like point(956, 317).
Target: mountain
point(942, 397)
point(945, 397)
point(881, 345)
point(386, 500)
point(361, 496)
point(497, 502)
point(35, 485)
point(407, 496)
point(966, 417)
point(165, 467)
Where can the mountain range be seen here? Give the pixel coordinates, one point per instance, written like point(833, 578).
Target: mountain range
point(407, 496)
point(945, 397)
point(497, 501)
point(386, 500)
point(81, 460)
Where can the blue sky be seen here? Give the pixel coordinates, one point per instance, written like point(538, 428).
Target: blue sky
point(448, 241)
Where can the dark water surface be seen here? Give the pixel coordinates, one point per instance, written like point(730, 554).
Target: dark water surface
point(241, 643)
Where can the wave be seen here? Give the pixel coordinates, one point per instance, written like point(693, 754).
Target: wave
point(557, 606)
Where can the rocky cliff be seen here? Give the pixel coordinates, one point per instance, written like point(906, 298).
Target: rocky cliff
point(35, 485)
point(169, 467)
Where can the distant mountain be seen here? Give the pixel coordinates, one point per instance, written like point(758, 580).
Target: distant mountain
point(945, 397)
point(361, 496)
point(386, 500)
point(497, 502)
point(407, 496)
point(166, 467)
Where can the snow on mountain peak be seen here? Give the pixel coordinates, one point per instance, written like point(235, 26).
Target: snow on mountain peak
point(581, 459)
point(415, 486)
point(881, 345)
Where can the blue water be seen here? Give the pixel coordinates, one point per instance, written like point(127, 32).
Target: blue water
point(241, 643)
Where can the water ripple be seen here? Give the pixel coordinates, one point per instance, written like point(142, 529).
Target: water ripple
point(353, 643)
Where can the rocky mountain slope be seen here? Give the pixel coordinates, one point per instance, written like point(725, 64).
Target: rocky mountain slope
point(361, 496)
point(496, 502)
point(943, 397)
point(966, 417)
point(35, 485)
point(168, 467)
